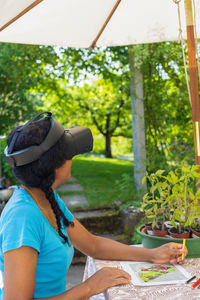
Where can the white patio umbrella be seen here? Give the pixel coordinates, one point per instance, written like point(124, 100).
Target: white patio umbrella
point(76, 23)
point(86, 23)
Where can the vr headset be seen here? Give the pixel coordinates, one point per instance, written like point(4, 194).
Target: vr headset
point(78, 140)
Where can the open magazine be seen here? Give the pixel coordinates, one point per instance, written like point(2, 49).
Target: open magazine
point(148, 274)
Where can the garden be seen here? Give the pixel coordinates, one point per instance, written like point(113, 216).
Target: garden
point(97, 95)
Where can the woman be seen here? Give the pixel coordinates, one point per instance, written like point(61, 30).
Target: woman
point(38, 232)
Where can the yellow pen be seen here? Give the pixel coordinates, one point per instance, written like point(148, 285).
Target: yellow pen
point(183, 254)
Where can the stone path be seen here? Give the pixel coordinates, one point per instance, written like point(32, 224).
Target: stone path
point(75, 200)
point(70, 188)
point(68, 194)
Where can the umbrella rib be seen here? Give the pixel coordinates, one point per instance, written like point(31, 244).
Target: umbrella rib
point(105, 24)
point(23, 12)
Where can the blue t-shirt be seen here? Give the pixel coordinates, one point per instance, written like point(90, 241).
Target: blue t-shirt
point(22, 224)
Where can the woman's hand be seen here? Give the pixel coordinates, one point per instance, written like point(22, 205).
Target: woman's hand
point(169, 253)
point(105, 278)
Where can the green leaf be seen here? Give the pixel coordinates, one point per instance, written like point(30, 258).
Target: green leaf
point(143, 180)
point(159, 172)
point(173, 223)
point(185, 169)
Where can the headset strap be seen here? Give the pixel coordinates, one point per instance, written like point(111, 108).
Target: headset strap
point(15, 136)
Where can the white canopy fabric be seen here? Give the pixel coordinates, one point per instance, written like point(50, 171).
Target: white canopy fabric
point(76, 23)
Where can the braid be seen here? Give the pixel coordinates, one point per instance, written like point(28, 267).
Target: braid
point(46, 188)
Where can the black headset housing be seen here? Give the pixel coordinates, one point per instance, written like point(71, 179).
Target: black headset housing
point(78, 139)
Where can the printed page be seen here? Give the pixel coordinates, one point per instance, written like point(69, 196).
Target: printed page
point(148, 274)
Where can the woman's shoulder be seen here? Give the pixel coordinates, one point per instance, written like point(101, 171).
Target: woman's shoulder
point(20, 204)
point(21, 223)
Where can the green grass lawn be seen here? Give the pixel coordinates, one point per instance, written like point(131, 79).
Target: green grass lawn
point(99, 177)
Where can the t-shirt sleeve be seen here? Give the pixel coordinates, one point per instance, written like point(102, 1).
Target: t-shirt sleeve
point(64, 208)
point(22, 227)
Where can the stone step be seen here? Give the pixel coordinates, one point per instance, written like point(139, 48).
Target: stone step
point(70, 188)
point(73, 201)
point(99, 221)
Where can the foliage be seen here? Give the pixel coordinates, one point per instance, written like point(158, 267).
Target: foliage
point(108, 63)
point(167, 108)
point(31, 74)
point(166, 103)
point(183, 204)
point(136, 239)
point(173, 196)
point(101, 104)
point(108, 107)
point(122, 146)
point(5, 167)
point(97, 91)
point(25, 72)
point(155, 202)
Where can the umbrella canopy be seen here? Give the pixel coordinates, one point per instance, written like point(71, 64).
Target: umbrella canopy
point(77, 23)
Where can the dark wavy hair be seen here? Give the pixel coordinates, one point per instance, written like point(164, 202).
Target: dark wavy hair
point(41, 173)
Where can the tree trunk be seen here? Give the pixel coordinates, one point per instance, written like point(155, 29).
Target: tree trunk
point(108, 151)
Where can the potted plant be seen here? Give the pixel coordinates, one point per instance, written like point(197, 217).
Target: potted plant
point(183, 200)
point(154, 203)
point(173, 198)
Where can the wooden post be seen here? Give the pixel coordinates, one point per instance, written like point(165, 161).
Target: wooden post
point(137, 106)
point(193, 77)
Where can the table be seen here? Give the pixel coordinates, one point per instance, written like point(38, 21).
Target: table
point(163, 292)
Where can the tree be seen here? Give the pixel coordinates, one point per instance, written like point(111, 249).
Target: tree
point(99, 103)
point(25, 72)
point(109, 109)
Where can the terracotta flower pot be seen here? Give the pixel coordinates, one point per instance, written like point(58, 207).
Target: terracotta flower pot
point(195, 234)
point(159, 231)
point(184, 235)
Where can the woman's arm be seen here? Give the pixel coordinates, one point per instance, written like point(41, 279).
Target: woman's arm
point(109, 249)
point(20, 274)
point(103, 248)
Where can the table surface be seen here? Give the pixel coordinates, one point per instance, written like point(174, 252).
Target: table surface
point(163, 292)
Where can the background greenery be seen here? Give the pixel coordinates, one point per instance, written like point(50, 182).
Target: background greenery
point(92, 88)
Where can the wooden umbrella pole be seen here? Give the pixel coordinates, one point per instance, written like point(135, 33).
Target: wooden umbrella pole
point(19, 15)
point(193, 77)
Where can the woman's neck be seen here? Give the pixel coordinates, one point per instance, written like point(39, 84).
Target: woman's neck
point(42, 202)
point(38, 196)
